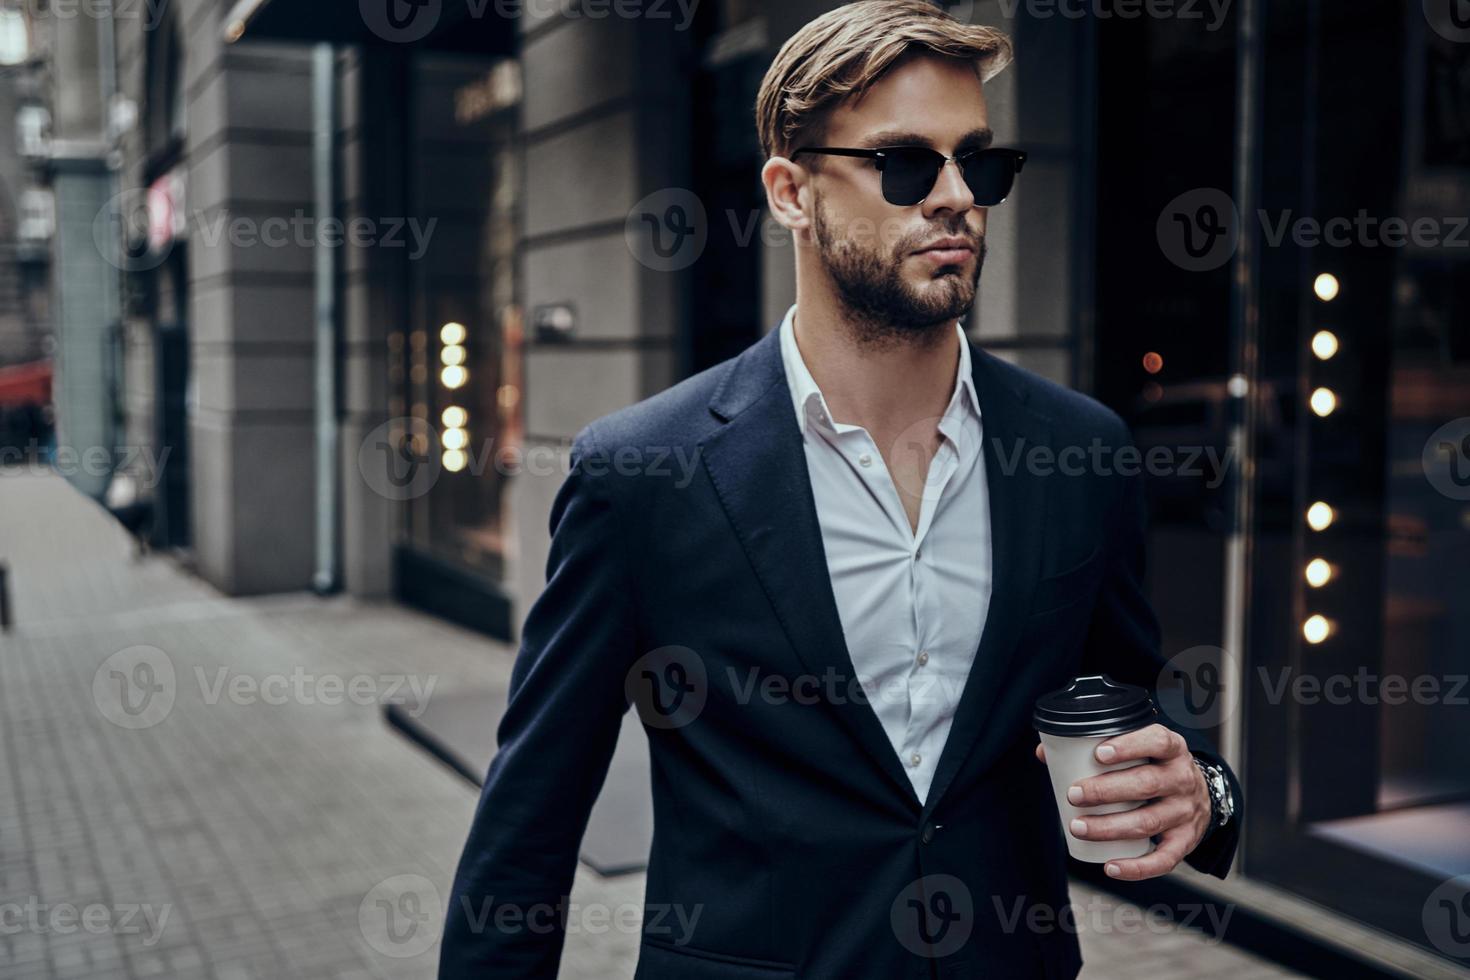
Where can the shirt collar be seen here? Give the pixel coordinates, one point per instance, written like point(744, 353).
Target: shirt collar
point(806, 396)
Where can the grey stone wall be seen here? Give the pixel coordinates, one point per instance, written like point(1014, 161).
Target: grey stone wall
point(247, 158)
point(605, 123)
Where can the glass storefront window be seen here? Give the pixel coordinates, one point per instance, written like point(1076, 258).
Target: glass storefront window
point(457, 370)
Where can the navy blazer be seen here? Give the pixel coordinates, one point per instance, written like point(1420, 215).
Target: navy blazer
point(687, 576)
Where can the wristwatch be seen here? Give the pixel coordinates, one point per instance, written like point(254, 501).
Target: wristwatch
point(1222, 801)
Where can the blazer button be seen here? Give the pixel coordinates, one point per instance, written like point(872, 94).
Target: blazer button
point(928, 835)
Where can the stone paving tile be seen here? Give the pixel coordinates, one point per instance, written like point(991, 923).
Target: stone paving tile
point(239, 834)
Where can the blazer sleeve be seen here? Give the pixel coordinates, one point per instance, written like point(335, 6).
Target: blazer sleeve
point(505, 917)
point(1123, 641)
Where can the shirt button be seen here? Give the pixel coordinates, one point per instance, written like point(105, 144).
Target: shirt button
point(865, 459)
point(928, 835)
point(923, 657)
point(915, 759)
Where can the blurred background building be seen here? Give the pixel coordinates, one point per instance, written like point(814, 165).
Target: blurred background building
point(542, 158)
point(26, 339)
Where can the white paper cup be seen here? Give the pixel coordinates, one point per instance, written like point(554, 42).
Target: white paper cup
point(1072, 723)
point(1069, 760)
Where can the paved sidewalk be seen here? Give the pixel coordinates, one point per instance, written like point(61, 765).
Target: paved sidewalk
point(197, 786)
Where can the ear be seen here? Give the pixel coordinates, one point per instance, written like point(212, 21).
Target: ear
point(788, 196)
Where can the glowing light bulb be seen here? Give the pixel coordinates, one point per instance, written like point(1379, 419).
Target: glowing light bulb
point(1324, 344)
point(1319, 572)
point(452, 333)
point(455, 439)
point(1316, 628)
point(454, 417)
point(1326, 287)
point(1324, 402)
point(454, 376)
point(1320, 516)
point(454, 460)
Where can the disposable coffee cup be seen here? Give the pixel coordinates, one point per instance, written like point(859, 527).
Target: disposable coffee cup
point(1072, 722)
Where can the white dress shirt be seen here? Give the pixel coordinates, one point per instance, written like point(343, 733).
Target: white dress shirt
point(912, 603)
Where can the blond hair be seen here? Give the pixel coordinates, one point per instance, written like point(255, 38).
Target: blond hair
point(842, 53)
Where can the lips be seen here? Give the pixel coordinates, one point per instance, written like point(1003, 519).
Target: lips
point(948, 250)
point(949, 244)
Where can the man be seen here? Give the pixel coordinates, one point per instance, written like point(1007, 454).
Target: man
point(836, 630)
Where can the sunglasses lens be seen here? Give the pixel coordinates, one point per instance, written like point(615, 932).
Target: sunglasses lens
point(908, 174)
point(990, 174)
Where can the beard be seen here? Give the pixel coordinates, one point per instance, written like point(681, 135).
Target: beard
point(882, 310)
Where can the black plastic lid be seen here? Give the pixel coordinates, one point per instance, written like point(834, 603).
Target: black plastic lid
point(1093, 705)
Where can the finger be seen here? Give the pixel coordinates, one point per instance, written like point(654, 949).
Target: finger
point(1041, 751)
point(1153, 742)
point(1144, 821)
point(1122, 785)
point(1165, 858)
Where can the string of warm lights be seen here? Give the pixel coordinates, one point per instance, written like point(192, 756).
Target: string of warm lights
point(1321, 515)
point(455, 438)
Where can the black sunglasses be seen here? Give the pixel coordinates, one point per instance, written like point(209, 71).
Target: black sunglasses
point(909, 172)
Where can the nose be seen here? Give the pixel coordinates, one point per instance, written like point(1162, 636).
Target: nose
point(950, 191)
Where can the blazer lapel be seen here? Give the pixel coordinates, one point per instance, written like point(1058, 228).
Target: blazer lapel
point(1009, 431)
point(757, 464)
point(758, 467)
